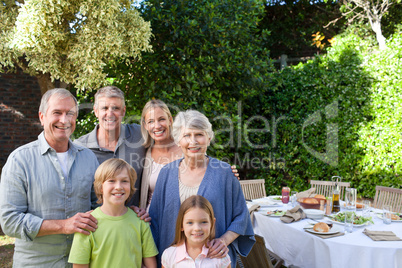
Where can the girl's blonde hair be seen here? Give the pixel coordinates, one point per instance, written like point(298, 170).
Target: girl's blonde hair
point(194, 201)
point(152, 104)
point(110, 169)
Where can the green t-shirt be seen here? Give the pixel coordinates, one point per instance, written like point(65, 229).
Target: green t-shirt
point(118, 242)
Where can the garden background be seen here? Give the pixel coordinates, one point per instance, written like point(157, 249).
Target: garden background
point(336, 114)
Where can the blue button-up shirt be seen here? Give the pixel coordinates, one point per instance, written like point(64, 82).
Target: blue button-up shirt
point(33, 188)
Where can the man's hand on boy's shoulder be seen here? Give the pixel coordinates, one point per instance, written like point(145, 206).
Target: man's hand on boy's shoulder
point(141, 213)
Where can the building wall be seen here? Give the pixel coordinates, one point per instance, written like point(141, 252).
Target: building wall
point(19, 103)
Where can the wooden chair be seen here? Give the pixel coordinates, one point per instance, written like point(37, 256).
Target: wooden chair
point(388, 196)
point(253, 189)
point(260, 256)
point(326, 188)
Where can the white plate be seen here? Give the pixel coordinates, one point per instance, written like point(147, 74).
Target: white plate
point(314, 214)
point(379, 215)
point(335, 229)
point(265, 212)
point(279, 215)
point(265, 202)
point(357, 209)
point(272, 198)
point(354, 225)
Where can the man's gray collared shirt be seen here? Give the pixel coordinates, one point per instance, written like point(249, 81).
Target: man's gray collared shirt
point(129, 147)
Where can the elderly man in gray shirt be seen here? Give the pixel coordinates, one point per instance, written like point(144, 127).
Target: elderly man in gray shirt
point(46, 188)
point(112, 139)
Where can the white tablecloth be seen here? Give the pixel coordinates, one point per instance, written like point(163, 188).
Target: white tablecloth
point(302, 249)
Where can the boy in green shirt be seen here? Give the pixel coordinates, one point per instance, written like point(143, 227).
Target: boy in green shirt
point(122, 239)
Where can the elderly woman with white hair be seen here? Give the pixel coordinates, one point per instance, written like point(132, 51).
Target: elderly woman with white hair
point(200, 174)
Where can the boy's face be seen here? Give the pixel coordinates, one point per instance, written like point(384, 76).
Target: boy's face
point(116, 190)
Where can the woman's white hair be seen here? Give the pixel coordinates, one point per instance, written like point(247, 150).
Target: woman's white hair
point(191, 119)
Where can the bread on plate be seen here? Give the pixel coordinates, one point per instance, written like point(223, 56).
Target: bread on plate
point(321, 227)
point(310, 201)
point(319, 196)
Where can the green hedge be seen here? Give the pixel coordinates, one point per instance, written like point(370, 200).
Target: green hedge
point(342, 117)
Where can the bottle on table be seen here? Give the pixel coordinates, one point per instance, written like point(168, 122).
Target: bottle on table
point(285, 194)
point(336, 207)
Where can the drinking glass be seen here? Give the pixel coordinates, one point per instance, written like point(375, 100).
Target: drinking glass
point(293, 198)
point(350, 198)
point(366, 208)
point(386, 214)
point(349, 218)
point(285, 195)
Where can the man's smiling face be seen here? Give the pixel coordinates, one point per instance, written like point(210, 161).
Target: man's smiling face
point(59, 121)
point(110, 113)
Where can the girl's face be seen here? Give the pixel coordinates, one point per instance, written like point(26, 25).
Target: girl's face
point(157, 124)
point(197, 226)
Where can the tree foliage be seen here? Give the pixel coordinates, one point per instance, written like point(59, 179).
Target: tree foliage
point(70, 41)
point(372, 11)
point(291, 25)
point(201, 49)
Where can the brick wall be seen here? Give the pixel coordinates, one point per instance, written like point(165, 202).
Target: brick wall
point(19, 103)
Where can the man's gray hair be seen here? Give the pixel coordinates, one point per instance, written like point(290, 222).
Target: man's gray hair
point(109, 92)
point(61, 92)
point(191, 119)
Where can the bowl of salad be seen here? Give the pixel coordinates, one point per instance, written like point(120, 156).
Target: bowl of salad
point(358, 219)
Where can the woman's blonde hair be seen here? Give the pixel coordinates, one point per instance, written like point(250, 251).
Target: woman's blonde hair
point(110, 169)
point(152, 104)
point(194, 201)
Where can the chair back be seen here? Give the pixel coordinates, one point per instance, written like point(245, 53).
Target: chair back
point(326, 188)
point(388, 196)
point(253, 189)
point(260, 256)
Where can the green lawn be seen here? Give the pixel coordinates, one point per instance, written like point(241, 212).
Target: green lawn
point(6, 251)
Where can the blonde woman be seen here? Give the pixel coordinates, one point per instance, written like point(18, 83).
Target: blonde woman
point(156, 125)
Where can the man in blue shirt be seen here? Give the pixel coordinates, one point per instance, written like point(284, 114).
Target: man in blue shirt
point(46, 188)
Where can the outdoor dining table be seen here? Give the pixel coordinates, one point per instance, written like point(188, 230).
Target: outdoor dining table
point(300, 248)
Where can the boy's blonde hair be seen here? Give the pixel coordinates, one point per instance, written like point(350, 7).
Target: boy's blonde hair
point(194, 201)
point(109, 169)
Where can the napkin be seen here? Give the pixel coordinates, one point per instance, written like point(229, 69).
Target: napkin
point(251, 209)
point(381, 235)
point(306, 193)
point(294, 214)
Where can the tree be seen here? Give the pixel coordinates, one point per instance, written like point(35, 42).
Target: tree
point(204, 51)
point(291, 25)
point(70, 41)
point(372, 10)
